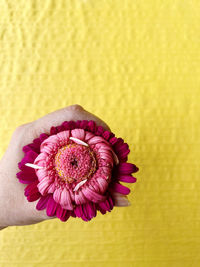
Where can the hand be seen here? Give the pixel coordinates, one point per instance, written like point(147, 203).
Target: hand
point(14, 207)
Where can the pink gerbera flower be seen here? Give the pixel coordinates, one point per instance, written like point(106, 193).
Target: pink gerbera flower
point(74, 169)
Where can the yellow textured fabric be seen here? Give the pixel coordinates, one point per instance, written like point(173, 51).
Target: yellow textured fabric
point(135, 64)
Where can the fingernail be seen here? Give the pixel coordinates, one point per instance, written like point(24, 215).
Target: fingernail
point(123, 201)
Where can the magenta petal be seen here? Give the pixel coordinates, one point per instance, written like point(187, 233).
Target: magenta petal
point(85, 216)
point(85, 212)
point(37, 142)
point(51, 207)
point(60, 128)
point(99, 130)
point(71, 125)
point(84, 124)
point(29, 157)
point(124, 154)
point(43, 136)
point(33, 197)
point(53, 130)
point(119, 143)
point(26, 177)
point(108, 204)
point(78, 122)
point(121, 188)
point(127, 178)
point(113, 140)
point(27, 148)
point(78, 211)
point(111, 203)
point(91, 210)
point(62, 214)
point(103, 207)
point(121, 146)
point(72, 213)
point(42, 203)
point(33, 147)
point(107, 135)
point(91, 126)
point(31, 189)
point(127, 168)
point(122, 149)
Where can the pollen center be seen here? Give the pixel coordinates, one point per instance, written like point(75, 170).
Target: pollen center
point(74, 162)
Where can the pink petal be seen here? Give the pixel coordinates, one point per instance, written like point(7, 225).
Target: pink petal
point(51, 188)
point(88, 136)
point(65, 200)
point(63, 136)
point(41, 174)
point(103, 185)
point(107, 157)
point(41, 158)
point(43, 186)
point(92, 196)
point(103, 145)
point(78, 133)
point(97, 139)
point(57, 195)
point(106, 170)
point(79, 198)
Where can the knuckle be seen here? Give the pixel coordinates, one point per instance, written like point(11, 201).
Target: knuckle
point(21, 128)
point(75, 107)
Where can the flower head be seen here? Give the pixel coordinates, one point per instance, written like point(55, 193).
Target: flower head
point(74, 169)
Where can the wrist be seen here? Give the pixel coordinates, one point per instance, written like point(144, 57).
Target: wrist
point(2, 204)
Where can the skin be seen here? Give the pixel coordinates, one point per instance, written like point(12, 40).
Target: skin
point(14, 207)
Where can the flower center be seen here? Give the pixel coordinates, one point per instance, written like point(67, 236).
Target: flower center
point(74, 162)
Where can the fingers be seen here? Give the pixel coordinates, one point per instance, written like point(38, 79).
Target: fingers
point(120, 200)
point(73, 112)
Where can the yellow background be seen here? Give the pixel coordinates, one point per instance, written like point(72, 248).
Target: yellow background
point(135, 64)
